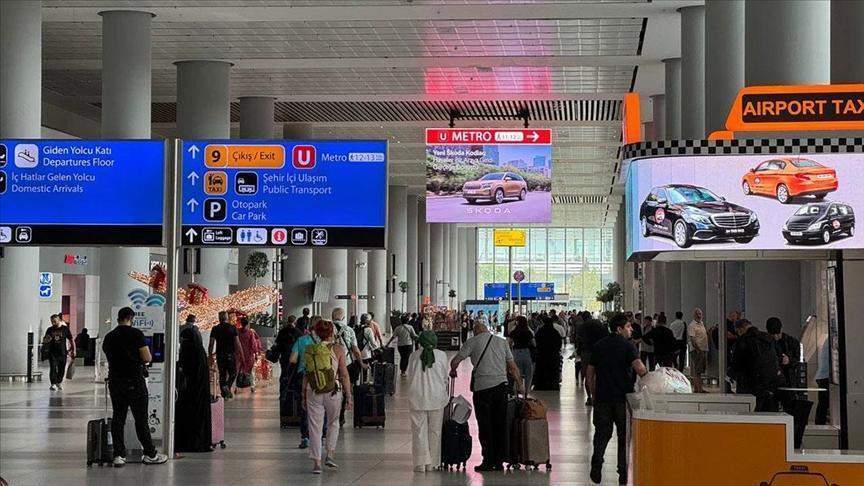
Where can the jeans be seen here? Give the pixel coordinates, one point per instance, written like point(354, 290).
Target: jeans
point(525, 365)
point(824, 402)
point(404, 354)
point(57, 363)
point(490, 407)
point(227, 372)
point(129, 393)
point(605, 416)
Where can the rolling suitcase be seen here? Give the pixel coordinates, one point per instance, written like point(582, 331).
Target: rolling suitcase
point(384, 377)
point(455, 438)
point(534, 445)
point(368, 405)
point(388, 355)
point(512, 437)
point(100, 449)
point(289, 403)
point(217, 408)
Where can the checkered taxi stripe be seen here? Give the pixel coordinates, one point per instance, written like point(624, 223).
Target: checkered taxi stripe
point(743, 147)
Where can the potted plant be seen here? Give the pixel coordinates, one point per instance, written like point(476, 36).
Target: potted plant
point(609, 296)
point(403, 288)
point(452, 295)
point(257, 266)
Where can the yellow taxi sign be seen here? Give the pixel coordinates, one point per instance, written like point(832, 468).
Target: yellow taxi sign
point(504, 237)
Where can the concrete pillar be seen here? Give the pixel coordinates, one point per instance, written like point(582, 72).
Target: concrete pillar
point(296, 280)
point(376, 286)
point(203, 111)
point(619, 250)
point(357, 280)
point(672, 295)
point(693, 72)
point(693, 292)
point(772, 56)
point(412, 254)
point(125, 114)
point(464, 270)
point(673, 98)
point(256, 121)
point(658, 107)
point(471, 264)
point(454, 264)
point(333, 264)
point(444, 288)
point(724, 59)
point(423, 248)
point(853, 286)
point(397, 240)
point(847, 37)
point(20, 117)
point(436, 256)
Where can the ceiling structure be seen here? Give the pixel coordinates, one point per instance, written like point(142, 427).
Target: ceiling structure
point(390, 68)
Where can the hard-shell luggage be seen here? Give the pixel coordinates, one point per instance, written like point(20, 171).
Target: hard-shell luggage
point(384, 377)
point(368, 406)
point(512, 433)
point(388, 355)
point(455, 438)
point(289, 403)
point(100, 447)
point(534, 443)
point(217, 421)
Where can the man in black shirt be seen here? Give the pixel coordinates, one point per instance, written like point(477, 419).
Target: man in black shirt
point(303, 322)
point(54, 342)
point(590, 332)
point(610, 376)
point(755, 366)
point(127, 355)
point(226, 341)
point(664, 342)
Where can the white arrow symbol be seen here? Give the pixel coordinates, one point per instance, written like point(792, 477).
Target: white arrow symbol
point(193, 150)
point(192, 203)
point(534, 136)
point(191, 234)
point(192, 177)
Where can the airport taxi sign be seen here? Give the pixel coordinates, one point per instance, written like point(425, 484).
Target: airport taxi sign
point(279, 193)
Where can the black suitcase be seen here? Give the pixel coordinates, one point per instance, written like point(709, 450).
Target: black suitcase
point(513, 434)
point(384, 377)
point(455, 439)
point(368, 406)
point(388, 355)
point(289, 403)
point(100, 449)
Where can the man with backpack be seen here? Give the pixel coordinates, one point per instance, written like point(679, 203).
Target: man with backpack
point(755, 365)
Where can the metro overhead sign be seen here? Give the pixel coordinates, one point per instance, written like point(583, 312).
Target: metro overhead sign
point(467, 136)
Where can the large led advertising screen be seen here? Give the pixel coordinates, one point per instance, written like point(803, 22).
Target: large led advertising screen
point(746, 202)
point(488, 175)
point(82, 192)
point(279, 193)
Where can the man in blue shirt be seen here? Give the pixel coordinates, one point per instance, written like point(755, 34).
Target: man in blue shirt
point(297, 352)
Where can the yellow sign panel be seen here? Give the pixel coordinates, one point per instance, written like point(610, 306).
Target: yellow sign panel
point(509, 237)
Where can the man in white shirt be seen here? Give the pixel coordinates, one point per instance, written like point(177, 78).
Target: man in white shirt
point(697, 335)
point(679, 330)
point(353, 358)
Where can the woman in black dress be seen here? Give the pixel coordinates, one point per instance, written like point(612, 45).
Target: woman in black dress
point(192, 428)
point(547, 370)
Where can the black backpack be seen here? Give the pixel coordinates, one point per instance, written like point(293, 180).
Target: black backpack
point(360, 331)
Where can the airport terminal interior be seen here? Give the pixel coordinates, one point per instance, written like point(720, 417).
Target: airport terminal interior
point(513, 230)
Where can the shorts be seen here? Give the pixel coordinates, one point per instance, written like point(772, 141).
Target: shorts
point(698, 362)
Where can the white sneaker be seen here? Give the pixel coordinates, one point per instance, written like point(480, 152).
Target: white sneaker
point(156, 459)
point(53, 387)
point(119, 461)
point(59, 386)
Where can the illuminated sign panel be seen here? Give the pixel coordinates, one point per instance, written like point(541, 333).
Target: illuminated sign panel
point(504, 237)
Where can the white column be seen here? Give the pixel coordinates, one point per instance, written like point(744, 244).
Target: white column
point(619, 250)
point(203, 111)
point(724, 59)
point(397, 239)
point(672, 69)
point(693, 72)
point(423, 237)
point(332, 263)
point(658, 107)
point(471, 264)
point(20, 117)
point(256, 121)
point(377, 286)
point(693, 291)
point(412, 254)
point(445, 270)
point(454, 264)
point(847, 37)
point(462, 277)
point(125, 114)
point(436, 257)
point(296, 280)
point(357, 281)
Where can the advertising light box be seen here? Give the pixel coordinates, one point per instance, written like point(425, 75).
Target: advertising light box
point(279, 193)
point(503, 237)
point(744, 202)
point(488, 175)
point(525, 291)
point(79, 192)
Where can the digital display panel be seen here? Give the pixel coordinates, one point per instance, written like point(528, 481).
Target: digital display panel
point(80, 192)
point(488, 175)
point(744, 202)
point(523, 291)
point(279, 193)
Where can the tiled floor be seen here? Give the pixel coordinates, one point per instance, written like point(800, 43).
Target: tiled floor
point(42, 442)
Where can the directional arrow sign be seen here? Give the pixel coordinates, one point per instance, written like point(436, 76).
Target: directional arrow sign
point(194, 150)
point(191, 234)
point(534, 136)
point(192, 203)
point(193, 176)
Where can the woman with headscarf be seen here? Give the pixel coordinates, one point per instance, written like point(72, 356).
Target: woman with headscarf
point(251, 344)
point(547, 370)
point(192, 424)
point(428, 394)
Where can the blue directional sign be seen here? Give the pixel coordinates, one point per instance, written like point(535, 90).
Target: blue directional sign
point(81, 192)
point(525, 291)
point(284, 193)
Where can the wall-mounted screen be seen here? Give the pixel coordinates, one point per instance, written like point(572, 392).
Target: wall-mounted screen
point(488, 175)
point(746, 202)
point(523, 291)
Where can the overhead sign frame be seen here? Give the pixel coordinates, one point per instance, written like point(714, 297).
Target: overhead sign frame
point(509, 237)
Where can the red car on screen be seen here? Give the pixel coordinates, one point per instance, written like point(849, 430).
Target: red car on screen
point(785, 178)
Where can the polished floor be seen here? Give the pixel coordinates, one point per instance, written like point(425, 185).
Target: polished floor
point(42, 441)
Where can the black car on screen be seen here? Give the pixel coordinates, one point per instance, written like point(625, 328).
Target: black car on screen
point(819, 222)
point(689, 213)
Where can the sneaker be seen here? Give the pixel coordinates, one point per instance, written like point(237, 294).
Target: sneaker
point(419, 469)
point(59, 386)
point(588, 403)
point(329, 463)
point(52, 387)
point(155, 459)
point(119, 461)
point(316, 470)
point(304, 444)
point(596, 476)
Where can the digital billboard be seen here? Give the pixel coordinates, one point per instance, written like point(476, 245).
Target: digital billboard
point(80, 192)
point(744, 202)
point(279, 193)
point(488, 175)
point(523, 291)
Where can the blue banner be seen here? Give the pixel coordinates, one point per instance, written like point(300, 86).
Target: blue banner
point(525, 291)
point(63, 192)
point(284, 193)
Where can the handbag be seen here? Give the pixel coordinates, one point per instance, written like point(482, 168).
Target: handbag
point(489, 341)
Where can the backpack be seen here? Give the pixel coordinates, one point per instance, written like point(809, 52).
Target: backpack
point(319, 368)
point(360, 333)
